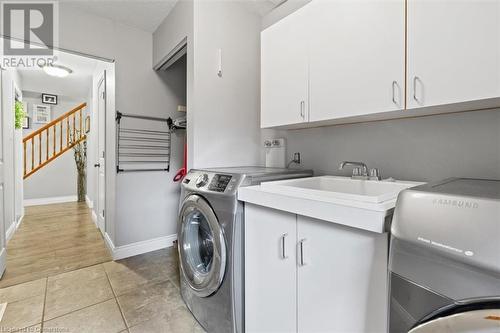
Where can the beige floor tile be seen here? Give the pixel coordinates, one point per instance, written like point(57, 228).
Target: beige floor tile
point(100, 318)
point(132, 273)
point(21, 314)
point(75, 290)
point(23, 291)
point(179, 320)
point(150, 301)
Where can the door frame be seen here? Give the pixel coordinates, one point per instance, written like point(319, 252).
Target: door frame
point(101, 220)
point(3, 240)
point(17, 219)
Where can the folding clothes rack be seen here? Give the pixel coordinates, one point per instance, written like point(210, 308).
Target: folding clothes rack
point(143, 144)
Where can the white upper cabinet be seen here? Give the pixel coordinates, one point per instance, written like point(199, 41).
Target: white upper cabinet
point(356, 58)
point(453, 51)
point(284, 71)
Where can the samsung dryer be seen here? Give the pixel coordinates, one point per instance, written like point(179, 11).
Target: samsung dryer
point(445, 258)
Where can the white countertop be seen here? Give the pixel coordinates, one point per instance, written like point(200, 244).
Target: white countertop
point(357, 214)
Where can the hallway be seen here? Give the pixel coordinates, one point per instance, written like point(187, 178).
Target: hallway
point(53, 239)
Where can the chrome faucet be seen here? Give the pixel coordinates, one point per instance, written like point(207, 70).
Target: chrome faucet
point(361, 171)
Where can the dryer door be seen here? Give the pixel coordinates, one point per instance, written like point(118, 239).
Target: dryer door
point(470, 316)
point(202, 248)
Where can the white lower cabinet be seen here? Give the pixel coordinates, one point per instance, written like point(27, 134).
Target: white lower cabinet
point(270, 270)
point(330, 278)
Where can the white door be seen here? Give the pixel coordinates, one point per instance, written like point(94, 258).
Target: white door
point(284, 71)
point(342, 278)
point(270, 270)
point(453, 51)
point(3, 253)
point(101, 142)
point(357, 58)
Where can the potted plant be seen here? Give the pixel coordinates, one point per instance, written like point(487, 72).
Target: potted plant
point(19, 114)
point(80, 154)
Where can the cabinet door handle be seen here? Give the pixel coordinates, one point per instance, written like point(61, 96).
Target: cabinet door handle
point(303, 109)
point(283, 246)
point(394, 86)
point(301, 250)
point(415, 81)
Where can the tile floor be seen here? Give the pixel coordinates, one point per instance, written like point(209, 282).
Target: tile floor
point(60, 279)
point(136, 295)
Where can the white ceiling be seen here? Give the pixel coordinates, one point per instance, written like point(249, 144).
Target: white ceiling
point(148, 14)
point(75, 85)
point(143, 14)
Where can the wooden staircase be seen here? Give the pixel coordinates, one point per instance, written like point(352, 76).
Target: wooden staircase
point(54, 139)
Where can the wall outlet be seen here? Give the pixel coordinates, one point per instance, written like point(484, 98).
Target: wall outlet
point(296, 158)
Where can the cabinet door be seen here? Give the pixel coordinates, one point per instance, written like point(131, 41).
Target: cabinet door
point(270, 270)
point(284, 71)
point(342, 278)
point(453, 51)
point(357, 58)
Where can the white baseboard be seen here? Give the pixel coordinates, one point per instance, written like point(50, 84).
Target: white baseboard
point(48, 201)
point(89, 202)
point(13, 228)
point(130, 250)
point(10, 232)
point(3, 261)
point(93, 216)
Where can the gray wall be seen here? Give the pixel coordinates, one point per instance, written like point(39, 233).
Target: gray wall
point(229, 104)
point(422, 149)
point(151, 199)
point(226, 109)
point(58, 179)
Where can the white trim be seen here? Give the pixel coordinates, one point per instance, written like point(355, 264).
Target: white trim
point(10, 232)
point(13, 228)
point(130, 250)
point(3, 261)
point(93, 216)
point(48, 201)
point(89, 202)
point(3, 306)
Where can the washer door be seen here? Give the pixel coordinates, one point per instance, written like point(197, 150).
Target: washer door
point(202, 249)
point(471, 316)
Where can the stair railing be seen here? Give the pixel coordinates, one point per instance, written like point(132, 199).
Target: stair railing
point(55, 138)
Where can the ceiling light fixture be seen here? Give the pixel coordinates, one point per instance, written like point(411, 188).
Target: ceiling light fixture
point(57, 70)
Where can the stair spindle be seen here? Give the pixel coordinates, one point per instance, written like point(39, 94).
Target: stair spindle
point(24, 155)
point(61, 138)
point(67, 132)
point(81, 127)
point(32, 153)
point(39, 148)
point(54, 141)
point(74, 128)
point(47, 139)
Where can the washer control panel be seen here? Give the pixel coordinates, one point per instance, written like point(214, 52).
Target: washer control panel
point(202, 180)
point(219, 182)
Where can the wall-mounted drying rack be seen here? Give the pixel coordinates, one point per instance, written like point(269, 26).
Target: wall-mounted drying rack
point(143, 143)
point(175, 124)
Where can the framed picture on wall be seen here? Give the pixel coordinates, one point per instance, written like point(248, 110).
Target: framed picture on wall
point(49, 99)
point(26, 122)
point(41, 114)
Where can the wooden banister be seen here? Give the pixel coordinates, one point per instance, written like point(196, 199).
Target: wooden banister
point(74, 136)
point(55, 121)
